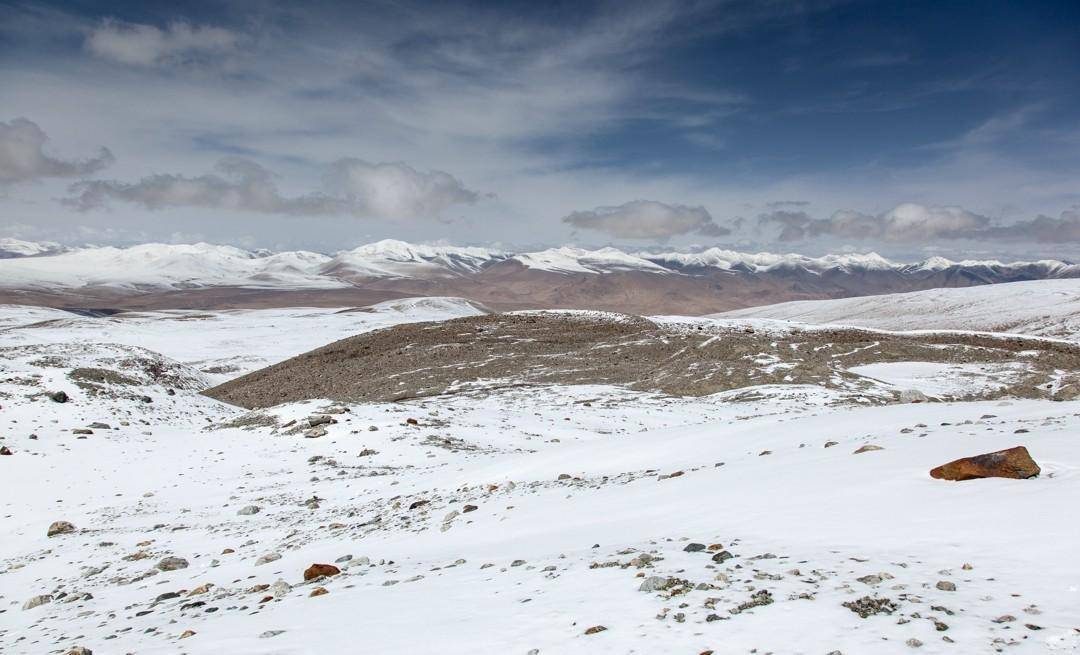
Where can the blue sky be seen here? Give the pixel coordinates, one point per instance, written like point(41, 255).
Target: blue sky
point(909, 128)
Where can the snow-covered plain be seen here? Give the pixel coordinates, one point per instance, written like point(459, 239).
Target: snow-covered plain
point(1049, 308)
point(509, 522)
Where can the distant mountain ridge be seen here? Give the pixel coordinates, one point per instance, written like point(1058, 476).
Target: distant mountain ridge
point(607, 278)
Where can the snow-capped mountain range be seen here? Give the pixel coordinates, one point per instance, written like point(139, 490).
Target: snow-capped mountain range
point(607, 278)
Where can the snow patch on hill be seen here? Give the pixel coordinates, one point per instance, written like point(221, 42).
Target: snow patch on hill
point(1049, 308)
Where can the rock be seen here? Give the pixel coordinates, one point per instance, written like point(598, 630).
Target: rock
point(249, 510)
point(320, 570)
point(59, 527)
point(945, 585)
point(867, 448)
point(914, 643)
point(37, 601)
point(655, 583)
point(693, 547)
point(80, 650)
point(280, 588)
point(187, 633)
point(318, 591)
point(319, 419)
point(417, 503)
point(315, 433)
point(267, 558)
point(913, 396)
point(343, 559)
point(469, 508)
point(82, 431)
point(868, 606)
point(172, 564)
point(1011, 463)
point(4, 450)
point(99, 426)
point(58, 397)
point(270, 633)
point(595, 629)
point(830, 444)
point(722, 557)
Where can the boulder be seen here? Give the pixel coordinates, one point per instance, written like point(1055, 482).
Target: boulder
point(320, 570)
point(1011, 463)
point(913, 396)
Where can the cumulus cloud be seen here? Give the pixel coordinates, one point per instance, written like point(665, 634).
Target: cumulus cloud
point(908, 222)
point(23, 156)
point(647, 219)
point(149, 46)
point(396, 190)
point(238, 185)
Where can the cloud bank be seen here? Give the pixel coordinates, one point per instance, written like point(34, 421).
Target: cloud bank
point(23, 156)
point(149, 46)
point(912, 223)
point(647, 219)
point(358, 188)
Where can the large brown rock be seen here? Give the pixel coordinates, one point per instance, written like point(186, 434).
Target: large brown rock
point(320, 570)
point(1011, 463)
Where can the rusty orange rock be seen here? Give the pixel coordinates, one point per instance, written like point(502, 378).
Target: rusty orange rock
point(320, 570)
point(1011, 463)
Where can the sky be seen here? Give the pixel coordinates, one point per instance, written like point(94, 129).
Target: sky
point(906, 128)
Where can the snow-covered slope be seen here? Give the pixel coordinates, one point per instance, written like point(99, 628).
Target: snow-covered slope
point(157, 265)
point(560, 519)
point(10, 248)
point(1041, 307)
point(579, 260)
point(397, 259)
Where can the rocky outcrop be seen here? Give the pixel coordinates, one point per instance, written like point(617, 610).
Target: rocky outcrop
point(1011, 463)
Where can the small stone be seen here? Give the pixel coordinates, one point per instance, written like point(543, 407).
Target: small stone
point(914, 643)
point(172, 563)
point(271, 633)
point(249, 510)
point(945, 585)
point(4, 450)
point(318, 591)
point(37, 601)
point(187, 633)
point(469, 508)
point(867, 448)
point(595, 629)
point(280, 588)
point(655, 583)
point(59, 527)
point(722, 557)
point(830, 444)
point(320, 570)
point(694, 547)
point(267, 558)
point(58, 397)
point(315, 433)
point(80, 650)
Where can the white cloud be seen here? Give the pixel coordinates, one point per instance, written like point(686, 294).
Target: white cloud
point(647, 219)
point(396, 190)
point(148, 46)
point(23, 156)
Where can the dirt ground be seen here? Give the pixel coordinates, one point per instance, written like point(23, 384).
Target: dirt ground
point(425, 359)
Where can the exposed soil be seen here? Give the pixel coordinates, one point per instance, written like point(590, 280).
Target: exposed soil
point(425, 359)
